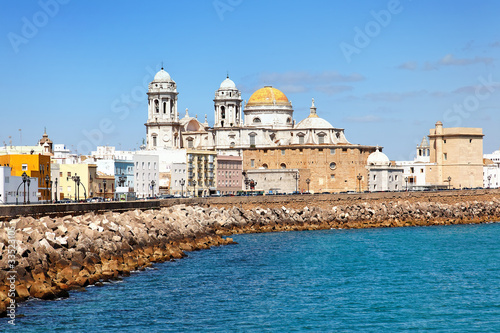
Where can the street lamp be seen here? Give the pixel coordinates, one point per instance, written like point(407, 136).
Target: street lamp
point(76, 179)
point(194, 188)
point(104, 185)
point(153, 183)
point(246, 181)
point(489, 181)
point(55, 197)
point(296, 177)
point(307, 182)
point(182, 182)
point(449, 182)
point(252, 183)
point(47, 180)
point(406, 180)
point(359, 177)
point(24, 178)
point(29, 182)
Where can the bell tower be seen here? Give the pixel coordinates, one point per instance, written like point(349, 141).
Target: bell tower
point(162, 127)
point(227, 103)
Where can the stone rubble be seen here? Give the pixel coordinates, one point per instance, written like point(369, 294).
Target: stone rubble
point(55, 255)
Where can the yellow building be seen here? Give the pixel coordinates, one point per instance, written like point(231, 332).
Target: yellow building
point(201, 170)
point(457, 157)
point(35, 165)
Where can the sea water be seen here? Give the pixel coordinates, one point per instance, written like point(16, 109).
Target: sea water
point(436, 279)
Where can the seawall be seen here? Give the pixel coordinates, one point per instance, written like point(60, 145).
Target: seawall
point(57, 254)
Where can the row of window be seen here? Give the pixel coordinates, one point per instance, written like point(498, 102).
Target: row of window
point(143, 164)
point(228, 183)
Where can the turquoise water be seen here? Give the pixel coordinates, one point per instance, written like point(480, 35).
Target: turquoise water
point(438, 279)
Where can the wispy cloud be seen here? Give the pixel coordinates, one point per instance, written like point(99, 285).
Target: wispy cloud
point(450, 60)
point(394, 96)
point(495, 44)
point(409, 65)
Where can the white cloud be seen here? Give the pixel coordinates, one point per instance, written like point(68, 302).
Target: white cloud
point(450, 60)
point(409, 65)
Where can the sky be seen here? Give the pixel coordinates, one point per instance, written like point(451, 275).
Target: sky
point(385, 71)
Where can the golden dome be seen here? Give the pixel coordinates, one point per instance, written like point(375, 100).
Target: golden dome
point(268, 96)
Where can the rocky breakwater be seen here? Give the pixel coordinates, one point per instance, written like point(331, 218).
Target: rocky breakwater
point(54, 255)
point(361, 215)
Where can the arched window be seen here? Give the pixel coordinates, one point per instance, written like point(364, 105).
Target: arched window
point(154, 141)
point(256, 120)
point(232, 144)
point(288, 120)
point(333, 165)
point(283, 165)
point(164, 107)
point(264, 166)
point(252, 139)
point(321, 138)
point(157, 106)
point(190, 142)
point(223, 112)
point(301, 138)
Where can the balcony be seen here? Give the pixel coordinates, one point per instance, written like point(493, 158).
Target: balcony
point(190, 175)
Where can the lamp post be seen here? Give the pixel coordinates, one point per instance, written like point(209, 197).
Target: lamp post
point(104, 185)
point(406, 180)
point(246, 181)
point(47, 180)
point(24, 178)
point(194, 188)
point(252, 183)
point(76, 179)
point(55, 198)
point(296, 177)
point(489, 181)
point(449, 182)
point(359, 177)
point(153, 183)
point(308, 181)
point(182, 182)
point(29, 182)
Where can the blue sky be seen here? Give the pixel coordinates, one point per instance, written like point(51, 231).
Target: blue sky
point(385, 71)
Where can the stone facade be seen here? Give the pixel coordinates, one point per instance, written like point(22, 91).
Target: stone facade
point(330, 168)
point(457, 157)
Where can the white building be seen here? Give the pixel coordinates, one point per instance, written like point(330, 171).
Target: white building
point(491, 170)
point(147, 175)
point(13, 190)
point(110, 153)
point(382, 176)
point(414, 172)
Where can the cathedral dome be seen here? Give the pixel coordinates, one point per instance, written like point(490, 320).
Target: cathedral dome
point(268, 96)
point(378, 158)
point(314, 123)
point(162, 76)
point(227, 84)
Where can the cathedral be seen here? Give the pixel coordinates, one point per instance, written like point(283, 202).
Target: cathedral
point(256, 130)
point(266, 120)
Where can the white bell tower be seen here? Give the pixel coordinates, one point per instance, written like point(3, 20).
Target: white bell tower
point(162, 127)
point(227, 103)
